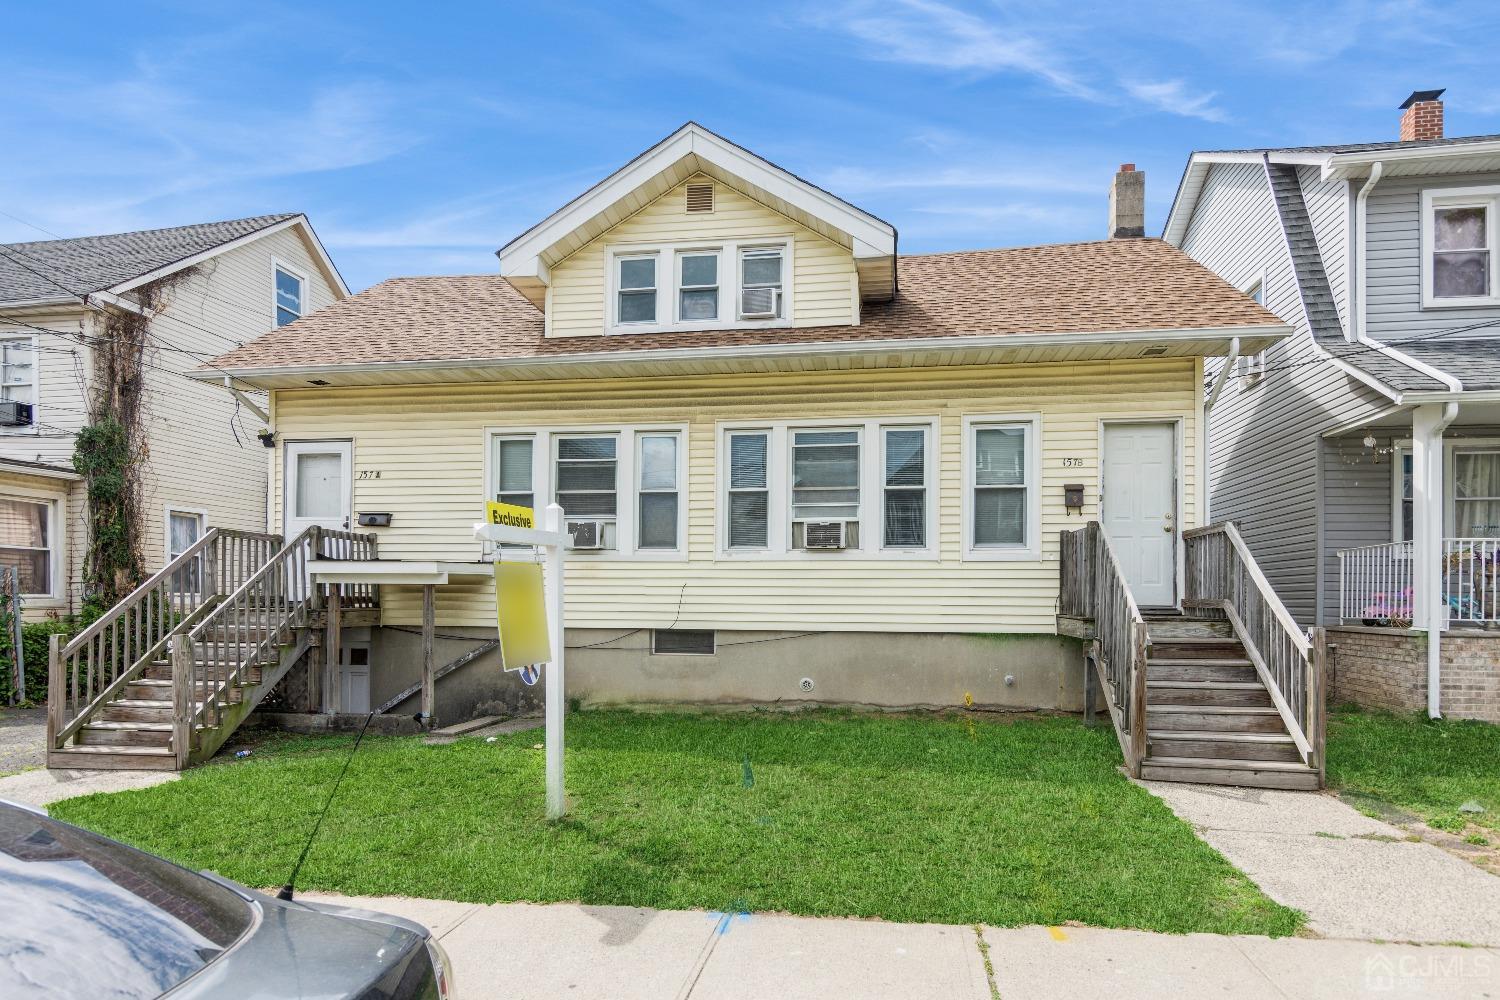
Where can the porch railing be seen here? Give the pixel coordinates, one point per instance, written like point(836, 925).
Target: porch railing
point(97, 663)
point(1092, 586)
point(1376, 581)
point(1223, 575)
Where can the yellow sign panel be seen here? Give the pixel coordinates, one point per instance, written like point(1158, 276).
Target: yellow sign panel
point(509, 515)
point(522, 612)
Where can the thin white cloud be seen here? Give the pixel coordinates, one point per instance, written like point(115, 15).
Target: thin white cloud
point(1175, 97)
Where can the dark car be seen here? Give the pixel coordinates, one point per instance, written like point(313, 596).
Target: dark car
point(85, 916)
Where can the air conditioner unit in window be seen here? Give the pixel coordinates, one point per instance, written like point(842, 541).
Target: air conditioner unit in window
point(823, 535)
point(14, 414)
point(758, 303)
point(587, 534)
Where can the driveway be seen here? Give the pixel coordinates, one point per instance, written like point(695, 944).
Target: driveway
point(23, 736)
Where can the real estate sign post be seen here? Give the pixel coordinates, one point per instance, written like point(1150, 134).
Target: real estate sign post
point(531, 623)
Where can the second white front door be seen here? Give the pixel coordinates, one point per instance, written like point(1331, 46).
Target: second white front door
point(319, 485)
point(1139, 506)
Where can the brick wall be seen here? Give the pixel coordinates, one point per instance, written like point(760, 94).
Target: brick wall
point(1387, 668)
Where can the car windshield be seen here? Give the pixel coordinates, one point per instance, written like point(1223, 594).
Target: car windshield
point(84, 916)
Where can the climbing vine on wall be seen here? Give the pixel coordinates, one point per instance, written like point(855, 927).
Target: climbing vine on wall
point(111, 451)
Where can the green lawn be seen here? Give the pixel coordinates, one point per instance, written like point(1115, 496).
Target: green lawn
point(956, 820)
point(1423, 767)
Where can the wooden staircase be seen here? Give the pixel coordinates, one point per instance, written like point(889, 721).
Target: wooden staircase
point(164, 678)
point(1230, 693)
point(1209, 717)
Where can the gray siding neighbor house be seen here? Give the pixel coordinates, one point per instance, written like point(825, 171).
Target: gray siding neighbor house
point(1360, 457)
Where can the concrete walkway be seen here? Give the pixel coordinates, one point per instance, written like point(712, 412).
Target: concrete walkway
point(41, 787)
point(527, 951)
point(23, 738)
point(1353, 876)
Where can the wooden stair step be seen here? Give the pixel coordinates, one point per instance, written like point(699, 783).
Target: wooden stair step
point(1223, 771)
point(1215, 718)
point(141, 734)
point(1207, 693)
point(1237, 746)
point(116, 758)
point(1201, 670)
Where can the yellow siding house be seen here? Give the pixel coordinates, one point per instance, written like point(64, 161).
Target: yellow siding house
point(795, 464)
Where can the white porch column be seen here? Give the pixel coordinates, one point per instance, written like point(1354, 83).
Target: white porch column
point(1428, 607)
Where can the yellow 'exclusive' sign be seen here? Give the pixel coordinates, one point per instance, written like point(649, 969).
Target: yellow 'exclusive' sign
point(509, 515)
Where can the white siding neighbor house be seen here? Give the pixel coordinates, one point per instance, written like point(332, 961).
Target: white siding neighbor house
point(1360, 458)
point(203, 466)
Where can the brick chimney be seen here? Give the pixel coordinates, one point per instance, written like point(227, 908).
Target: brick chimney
point(1422, 116)
point(1127, 203)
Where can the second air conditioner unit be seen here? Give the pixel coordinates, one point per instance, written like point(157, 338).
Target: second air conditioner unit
point(587, 534)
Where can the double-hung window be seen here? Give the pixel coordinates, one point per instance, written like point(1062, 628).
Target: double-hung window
point(760, 283)
point(636, 294)
point(1476, 494)
point(184, 528)
point(657, 491)
point(1002, 502)
point(289, 289)
point(512, 460)
point(18, 372)
point(587, 483)
point(698, 287)
point(825, 482)
point(905, 482)
point(1458, 246)
point(26, 544)
point(749, 497)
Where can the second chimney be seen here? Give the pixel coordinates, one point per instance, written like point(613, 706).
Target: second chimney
point(1422, 116)
point(1127, 203)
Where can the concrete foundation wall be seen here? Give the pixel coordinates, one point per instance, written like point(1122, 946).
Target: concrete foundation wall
point(1387, 668)
point(880, 670)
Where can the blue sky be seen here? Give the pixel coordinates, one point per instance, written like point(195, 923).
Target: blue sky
point(420, 137)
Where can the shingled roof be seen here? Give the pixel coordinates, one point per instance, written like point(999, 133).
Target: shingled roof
point(53, 269)
point(1126, 285)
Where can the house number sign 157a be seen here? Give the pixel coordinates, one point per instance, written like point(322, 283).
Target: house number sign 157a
point(368, 474)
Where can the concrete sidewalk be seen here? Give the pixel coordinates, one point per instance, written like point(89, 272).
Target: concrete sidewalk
point(526, 951)
point(42, 787)
point(1353, 876)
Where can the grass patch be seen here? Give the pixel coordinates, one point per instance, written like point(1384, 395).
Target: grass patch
point(955, 820)
point(1417, 765)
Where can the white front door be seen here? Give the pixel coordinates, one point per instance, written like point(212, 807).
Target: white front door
point(354, 679)
point(1139, 503)
point(319, 485)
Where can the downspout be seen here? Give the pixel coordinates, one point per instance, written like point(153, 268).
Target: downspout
point(1376, 169)
point(1437, 609)
point(1208, 405)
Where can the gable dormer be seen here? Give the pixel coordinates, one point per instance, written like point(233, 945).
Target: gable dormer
point(699, 234)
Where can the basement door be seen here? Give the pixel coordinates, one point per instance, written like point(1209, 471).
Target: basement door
point(1138, 507)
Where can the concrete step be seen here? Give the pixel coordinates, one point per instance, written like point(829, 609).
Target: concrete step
point(147, 734)
point(1233, 746)
point(1203, 669)
point(1246, 773)
point(1224, 694)
point(117, 758)
point(1199, 718)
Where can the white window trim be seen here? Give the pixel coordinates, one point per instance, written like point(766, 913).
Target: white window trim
point(1031, 549)
point(668, 273)
point(277, 264)
point(36, 382)
point(56, 529)
point(1253, 366)
point(871, 489)
point(543, 464)
point(1487, 197)
point(166, 521)
point(1451, 448)
point(678, 289)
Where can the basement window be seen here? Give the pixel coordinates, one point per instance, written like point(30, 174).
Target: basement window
point(682, 641)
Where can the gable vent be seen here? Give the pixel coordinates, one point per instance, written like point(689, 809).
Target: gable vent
point(700, 197)
point(683, 640)
point(1154, 351)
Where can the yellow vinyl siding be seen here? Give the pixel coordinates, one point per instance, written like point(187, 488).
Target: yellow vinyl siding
point(824, 283)
point(427, 444)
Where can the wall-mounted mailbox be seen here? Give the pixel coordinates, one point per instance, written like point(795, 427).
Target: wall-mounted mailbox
point(375, 520)
point(1073, 496)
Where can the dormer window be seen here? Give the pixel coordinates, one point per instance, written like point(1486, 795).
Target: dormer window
point(689, 286)
point(637, 289)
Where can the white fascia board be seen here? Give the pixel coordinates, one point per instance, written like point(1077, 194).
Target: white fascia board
point(1343, 166)
point(40, 473)
point(20, 305)
point(522, 255)
point(1191, 184)
point(324, 260)
point(1467, 396)
point(1276, 331)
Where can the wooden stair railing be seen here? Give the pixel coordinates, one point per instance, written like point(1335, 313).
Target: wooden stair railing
point(248, 630)
point(1223, 576)
point(1092, 586)
point(93, 667)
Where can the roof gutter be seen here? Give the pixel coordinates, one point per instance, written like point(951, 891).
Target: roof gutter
point(1276, 331)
